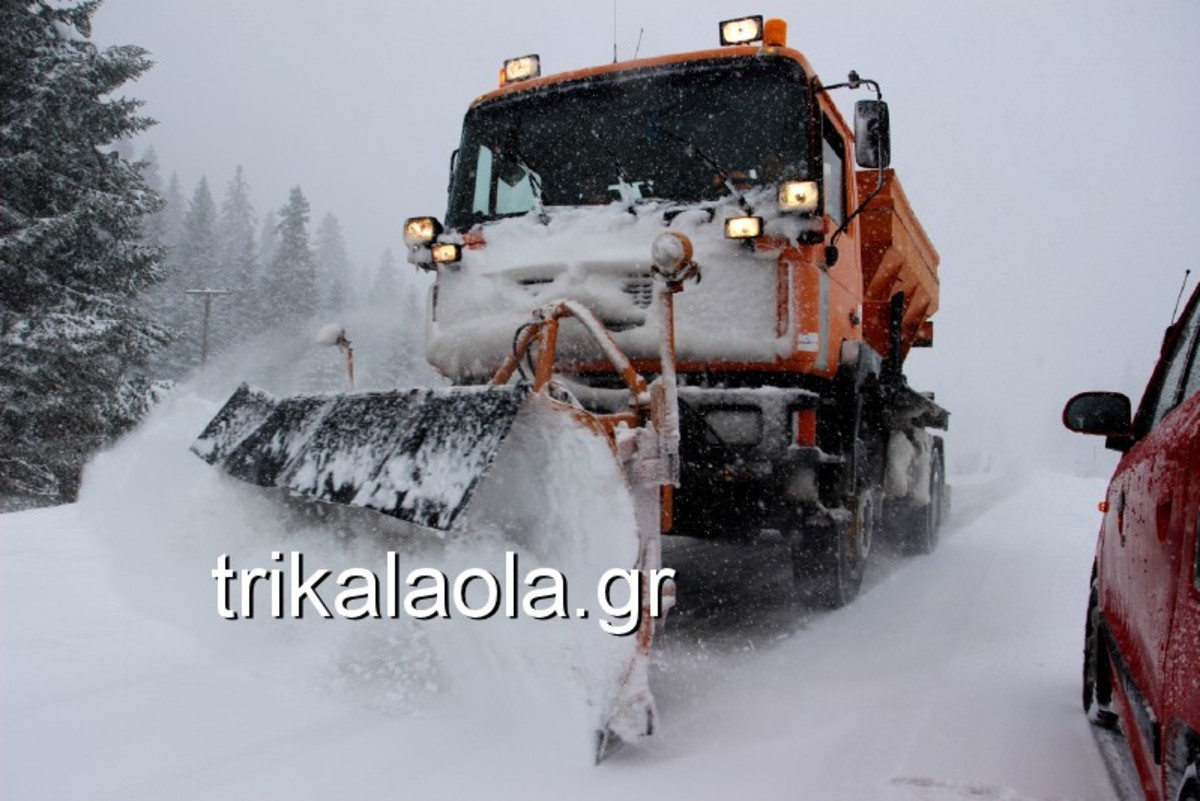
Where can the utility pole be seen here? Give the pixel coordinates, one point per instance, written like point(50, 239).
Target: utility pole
point(208, 295)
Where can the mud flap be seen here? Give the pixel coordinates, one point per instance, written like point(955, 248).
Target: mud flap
point(416, 454)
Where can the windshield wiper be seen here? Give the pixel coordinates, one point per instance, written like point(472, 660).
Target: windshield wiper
point(693, 151)
point(624, 183)
point(514, 156)
point(535, 187)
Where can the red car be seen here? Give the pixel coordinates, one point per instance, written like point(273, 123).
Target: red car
point(1142, 649)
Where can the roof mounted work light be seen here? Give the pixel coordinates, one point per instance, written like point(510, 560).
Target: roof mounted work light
point(523, 68)
point(742, 30)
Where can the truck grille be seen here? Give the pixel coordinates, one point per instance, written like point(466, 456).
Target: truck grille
point(534, 285)
point(640, 289)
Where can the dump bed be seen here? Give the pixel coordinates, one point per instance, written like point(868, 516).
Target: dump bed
point(897, 256)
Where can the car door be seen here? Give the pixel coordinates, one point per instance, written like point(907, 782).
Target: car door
point(1181, 712)
point(1140, 564)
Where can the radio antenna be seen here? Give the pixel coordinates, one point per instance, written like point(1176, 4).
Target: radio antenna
point(614, 31)
point(638, 49)
point(1186, 273)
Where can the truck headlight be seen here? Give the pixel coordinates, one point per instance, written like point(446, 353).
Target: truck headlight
point(798, 196)
point(447, 253)
point(743, 227)
point(421, 230)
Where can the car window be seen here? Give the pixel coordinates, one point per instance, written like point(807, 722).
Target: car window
point(1191, 381)
point(1169, 393)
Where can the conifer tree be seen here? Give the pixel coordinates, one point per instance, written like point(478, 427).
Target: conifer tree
point(333, 266)
point(172, 212)
point(236, 234)
point(268, 238)
point(71, 258)
point(291, 277)
point(191, 264)
point(385, 290)
point(197, 250)
point(237, 261)
point(154, 225)
point(165, 302)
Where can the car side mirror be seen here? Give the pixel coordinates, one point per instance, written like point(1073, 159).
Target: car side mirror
point(872, 135)
point(1108, 414)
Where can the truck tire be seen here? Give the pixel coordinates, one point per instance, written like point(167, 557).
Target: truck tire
point(931, 523)
point(1097, 671)
point(915, 528)
point(829, 560)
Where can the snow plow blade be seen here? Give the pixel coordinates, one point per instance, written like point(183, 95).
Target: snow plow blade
point(419, 455)
point(415, 454)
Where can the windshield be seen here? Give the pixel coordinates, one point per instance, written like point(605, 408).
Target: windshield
point(629, 136)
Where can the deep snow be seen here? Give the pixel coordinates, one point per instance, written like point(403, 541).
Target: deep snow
point(953, 676)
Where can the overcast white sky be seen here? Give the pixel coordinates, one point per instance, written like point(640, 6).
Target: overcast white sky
point(1048, 147)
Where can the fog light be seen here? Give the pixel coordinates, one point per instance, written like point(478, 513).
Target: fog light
point(421, 230)
point(522, 69)
point(741, 31)
point(743, 227)
point(798, 196)
point(447, 253)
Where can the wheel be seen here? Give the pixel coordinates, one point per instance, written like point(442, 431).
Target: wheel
point(932, 524)
point(1189, 789)
point(865, 525)
point(828, 560)
point(918, 528)
point(1097, 672)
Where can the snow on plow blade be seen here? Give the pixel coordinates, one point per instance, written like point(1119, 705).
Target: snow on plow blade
point(415, 454)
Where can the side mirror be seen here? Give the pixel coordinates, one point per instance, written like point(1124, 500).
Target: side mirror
point(872, 135)
point(1106, 413)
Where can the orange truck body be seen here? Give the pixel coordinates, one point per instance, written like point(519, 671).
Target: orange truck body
point(896, 256)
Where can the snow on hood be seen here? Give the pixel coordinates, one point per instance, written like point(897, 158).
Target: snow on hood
point(601, 257)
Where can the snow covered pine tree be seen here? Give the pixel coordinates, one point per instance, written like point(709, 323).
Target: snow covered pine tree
point(71, 258)
point(238, 263)
point(291, 276)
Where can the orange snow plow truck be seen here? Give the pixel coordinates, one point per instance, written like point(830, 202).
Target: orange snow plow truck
point(698, 260)
point(814, 279)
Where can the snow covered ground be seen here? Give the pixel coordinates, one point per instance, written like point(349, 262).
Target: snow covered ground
point(953, 676)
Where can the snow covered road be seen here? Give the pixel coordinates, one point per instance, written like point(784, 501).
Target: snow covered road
point(953, 676)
